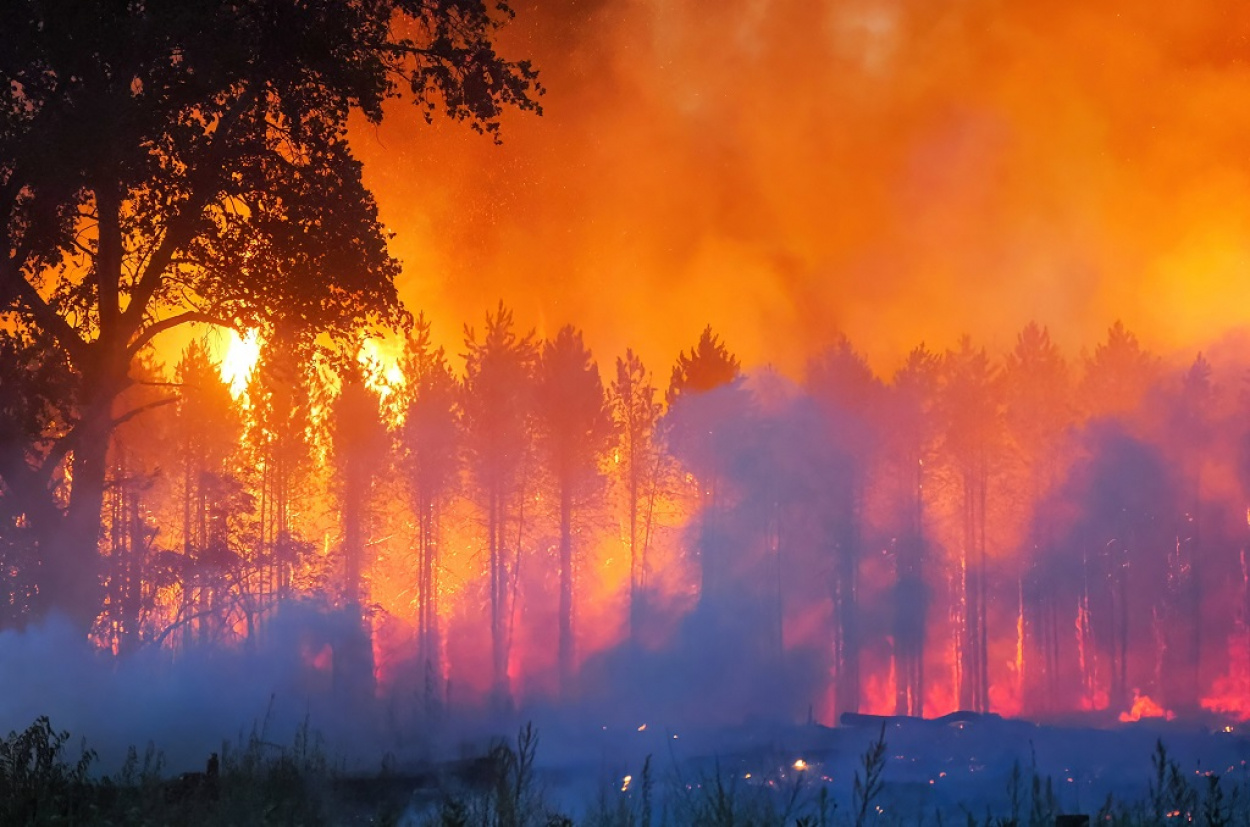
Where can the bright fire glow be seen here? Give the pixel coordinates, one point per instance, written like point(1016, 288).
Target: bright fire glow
point(1144, 707)
point(239, 355)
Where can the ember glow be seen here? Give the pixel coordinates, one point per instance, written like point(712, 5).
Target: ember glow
point(803, 359)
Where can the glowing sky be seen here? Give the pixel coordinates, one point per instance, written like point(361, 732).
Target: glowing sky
point(788, 169)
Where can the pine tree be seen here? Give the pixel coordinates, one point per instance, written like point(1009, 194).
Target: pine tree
point(1037, 392)
point(636, 411)
point(973, 424)
point(359, 447)
point(497, 405)
point(849, 397)
point(706, 402)
point(207, 426)
point(429, 443)
point(575, 428)
point(280, 398)
point(912, 429)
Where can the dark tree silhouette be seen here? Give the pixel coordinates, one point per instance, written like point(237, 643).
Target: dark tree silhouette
point(706, 402)
point(279, 393)
point(1188, 434)
point(163, 164)
point(37, 392)
point(1119, 377)
point(497, 405)
point(429, 442)
point(575, 430)
point(135, 567)
point(849, 396)
point(207, 430)
point(911, 436)
point(973, 420)
point(359, 444)
point(1124, 495)
point(1037, 393)
point(636, 411)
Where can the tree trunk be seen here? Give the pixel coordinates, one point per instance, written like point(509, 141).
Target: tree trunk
point(71, 558)
point(633, 543)
point(566, 591)
point(498, 594)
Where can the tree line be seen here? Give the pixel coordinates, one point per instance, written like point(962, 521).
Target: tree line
point(1012, 532)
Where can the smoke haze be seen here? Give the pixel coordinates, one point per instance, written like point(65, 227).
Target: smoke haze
point(897, 171)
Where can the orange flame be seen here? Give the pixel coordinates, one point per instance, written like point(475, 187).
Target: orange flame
point(1144, 707)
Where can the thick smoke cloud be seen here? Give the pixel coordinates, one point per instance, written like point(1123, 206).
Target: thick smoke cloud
point(899, 171)
point(188, 706)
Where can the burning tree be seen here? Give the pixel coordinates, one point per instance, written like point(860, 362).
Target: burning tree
point(910, 445)
point(1038, 407)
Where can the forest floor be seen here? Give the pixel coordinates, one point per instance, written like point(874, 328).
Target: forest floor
point(967, 769)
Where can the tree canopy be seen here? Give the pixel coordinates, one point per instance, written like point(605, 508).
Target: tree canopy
point(168, 163)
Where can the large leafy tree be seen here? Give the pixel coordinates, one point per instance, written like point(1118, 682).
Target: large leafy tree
point(169, 163)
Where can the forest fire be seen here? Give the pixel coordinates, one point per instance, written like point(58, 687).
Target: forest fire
point(748, 521)
point(663, 410)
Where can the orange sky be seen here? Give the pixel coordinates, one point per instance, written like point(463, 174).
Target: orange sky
point(787, 169)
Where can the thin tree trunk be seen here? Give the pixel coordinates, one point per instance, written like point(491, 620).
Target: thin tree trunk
point(566, 590)
point(496, 619)
point(982, 601)
point(633, 541)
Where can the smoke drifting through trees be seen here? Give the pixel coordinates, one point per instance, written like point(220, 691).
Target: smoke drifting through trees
point(1012, 532)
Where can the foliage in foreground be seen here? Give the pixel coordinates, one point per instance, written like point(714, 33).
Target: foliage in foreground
point(259, 783)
